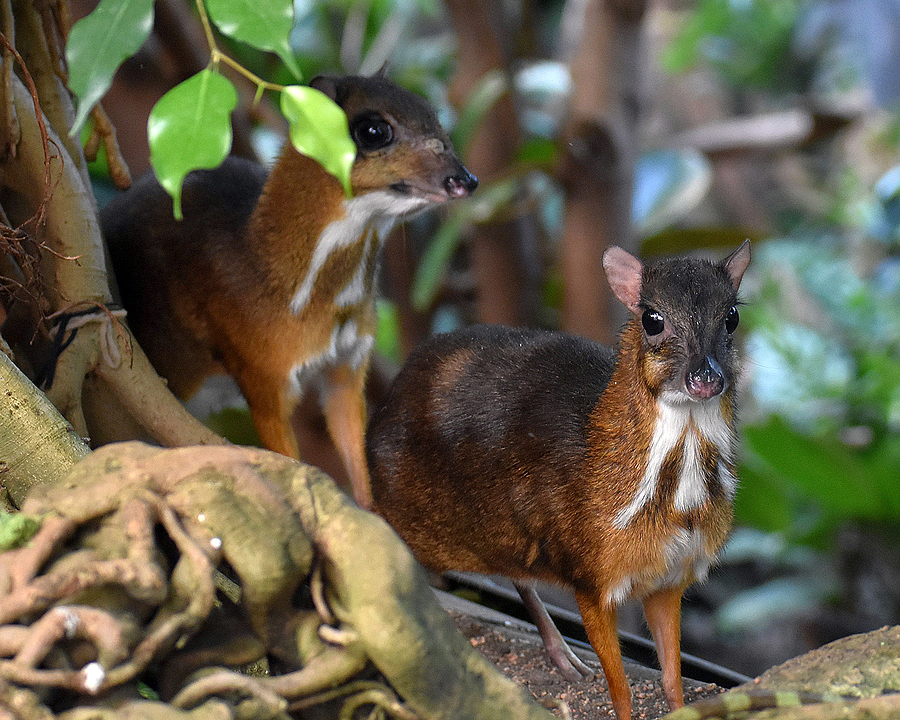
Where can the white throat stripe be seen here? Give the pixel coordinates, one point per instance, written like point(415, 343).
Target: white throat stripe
point(693, 422)
point(378, 209)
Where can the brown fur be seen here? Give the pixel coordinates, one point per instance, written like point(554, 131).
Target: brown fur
point(515, 451)
point(213, 293)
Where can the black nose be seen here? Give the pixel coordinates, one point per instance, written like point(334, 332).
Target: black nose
point(705, 379)
point(462, 185)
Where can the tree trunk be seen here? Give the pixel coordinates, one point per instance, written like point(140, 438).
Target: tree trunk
point(50, 215)
point(505, 283)
point(597, 170)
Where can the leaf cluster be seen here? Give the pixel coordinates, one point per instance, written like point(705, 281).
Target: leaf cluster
point(190, 128)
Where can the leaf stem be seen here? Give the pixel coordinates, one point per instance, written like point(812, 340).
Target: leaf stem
point(234, 64)
point(207, 30)
point(217, 56)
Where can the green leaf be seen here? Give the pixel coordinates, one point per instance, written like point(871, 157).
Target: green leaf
point(99, 43)
point(265, 24)
point(682, 240)
point(234, 424)
point(761, 502)
point(539, 152)
point(387, 336)
point(190, 128)
point(433, 265)
point(17, 529)
point(839, 480)
point(319, 129)
point(489, 89)
point(147, 692)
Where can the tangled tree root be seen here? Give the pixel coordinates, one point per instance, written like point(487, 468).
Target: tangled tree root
point(157, 572)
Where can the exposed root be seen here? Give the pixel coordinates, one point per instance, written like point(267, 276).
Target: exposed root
point(230, 684)
point(119, 584)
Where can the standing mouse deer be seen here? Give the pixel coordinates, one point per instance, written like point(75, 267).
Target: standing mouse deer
point(539, 455)
point(271, 277)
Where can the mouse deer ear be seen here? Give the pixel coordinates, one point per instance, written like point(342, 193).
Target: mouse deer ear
point(624, 271)
point(325, 84)
point(736, 263)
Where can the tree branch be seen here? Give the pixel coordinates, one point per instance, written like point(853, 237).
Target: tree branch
point(36, 443)
point(71, 231)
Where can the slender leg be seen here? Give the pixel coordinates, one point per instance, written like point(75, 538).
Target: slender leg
point(600, 623)
point(344, 406)
point(563, 657)
point(271, 410)
point(663, 612)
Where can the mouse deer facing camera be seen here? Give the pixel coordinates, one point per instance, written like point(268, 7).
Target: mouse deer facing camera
point(539, 455)
point(271, 279)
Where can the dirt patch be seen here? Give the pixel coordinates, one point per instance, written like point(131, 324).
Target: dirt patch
point(519, 654)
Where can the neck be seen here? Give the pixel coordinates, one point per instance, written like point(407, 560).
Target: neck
point(298, 201)
point(359, 234)
point(681, 450)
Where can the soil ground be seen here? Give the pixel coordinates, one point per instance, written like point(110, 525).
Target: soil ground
point(518, 652)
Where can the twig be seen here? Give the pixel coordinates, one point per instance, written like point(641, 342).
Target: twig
point(217, 56)
point(104, 132)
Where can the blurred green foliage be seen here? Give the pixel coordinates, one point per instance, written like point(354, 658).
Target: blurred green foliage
point(348, 36)
point(822, 444)
point(747, 41)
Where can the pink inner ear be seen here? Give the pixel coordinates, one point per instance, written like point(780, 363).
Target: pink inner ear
point(623, 272)
point(736, 263)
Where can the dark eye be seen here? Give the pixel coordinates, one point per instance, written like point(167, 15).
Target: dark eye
point(653, 322)
point(371, 132)
point(731, 320)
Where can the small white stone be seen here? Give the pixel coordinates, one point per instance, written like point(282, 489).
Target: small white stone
point(201, 517)
point(94, 675)
point(216, 542)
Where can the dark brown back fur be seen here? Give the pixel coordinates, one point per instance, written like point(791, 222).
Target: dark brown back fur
point(499, 466)
point(165, 268)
